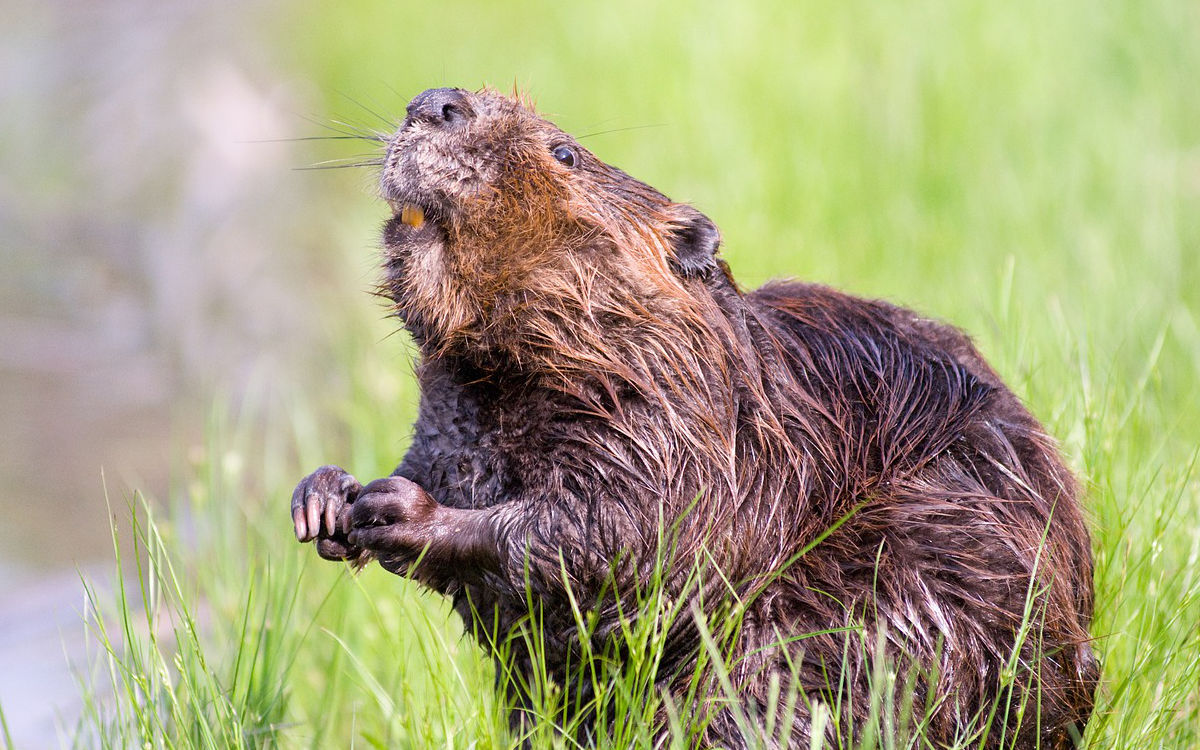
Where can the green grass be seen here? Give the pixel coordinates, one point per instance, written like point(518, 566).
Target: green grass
point(1028, 171)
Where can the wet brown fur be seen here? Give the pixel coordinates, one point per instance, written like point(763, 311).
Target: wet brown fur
point(588, 366)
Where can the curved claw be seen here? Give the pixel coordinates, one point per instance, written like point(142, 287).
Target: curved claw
point(320, 505)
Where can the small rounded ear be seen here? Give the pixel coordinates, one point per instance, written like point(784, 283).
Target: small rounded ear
point(694, 242)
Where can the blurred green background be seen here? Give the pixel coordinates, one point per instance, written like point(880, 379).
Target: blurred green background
point(1029, 171)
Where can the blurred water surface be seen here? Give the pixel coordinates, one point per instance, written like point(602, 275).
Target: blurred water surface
point(154, 239)
point(155, 252)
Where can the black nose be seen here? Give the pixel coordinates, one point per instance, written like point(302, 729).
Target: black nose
point(441, 107)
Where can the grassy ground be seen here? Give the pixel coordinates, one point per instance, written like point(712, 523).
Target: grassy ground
point(1028, 171)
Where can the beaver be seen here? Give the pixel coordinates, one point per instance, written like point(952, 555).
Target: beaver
point(863, 487)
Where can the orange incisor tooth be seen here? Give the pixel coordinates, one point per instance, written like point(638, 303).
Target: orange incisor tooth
point(412, 216)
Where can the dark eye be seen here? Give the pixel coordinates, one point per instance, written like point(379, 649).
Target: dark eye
point(565, 155)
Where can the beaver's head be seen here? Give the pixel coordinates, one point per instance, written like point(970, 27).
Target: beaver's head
point(508, 234)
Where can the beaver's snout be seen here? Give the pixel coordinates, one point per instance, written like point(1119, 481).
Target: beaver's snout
point(441, 107)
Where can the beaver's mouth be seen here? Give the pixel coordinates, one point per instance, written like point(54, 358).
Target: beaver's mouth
point(413, 222)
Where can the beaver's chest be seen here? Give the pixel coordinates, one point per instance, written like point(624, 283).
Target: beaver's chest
point(478, 442)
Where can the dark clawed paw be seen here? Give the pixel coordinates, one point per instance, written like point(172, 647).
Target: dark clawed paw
point(320, 509)
point(391, 500)
point(392, 515)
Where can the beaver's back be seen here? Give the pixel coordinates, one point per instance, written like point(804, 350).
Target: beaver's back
point(897, 388)
point(953, 487)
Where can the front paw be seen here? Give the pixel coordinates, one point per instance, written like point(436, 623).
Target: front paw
point(320, 511)
point(394, 519)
